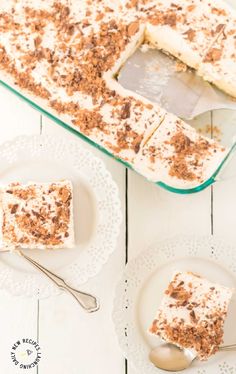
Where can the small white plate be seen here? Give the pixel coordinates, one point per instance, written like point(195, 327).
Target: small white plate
point(97, 213)
point(140, 290)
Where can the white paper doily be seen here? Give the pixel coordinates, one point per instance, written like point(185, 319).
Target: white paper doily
point(97, 213)
point(139, 293)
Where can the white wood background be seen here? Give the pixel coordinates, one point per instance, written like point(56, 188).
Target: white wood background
point(73, 342)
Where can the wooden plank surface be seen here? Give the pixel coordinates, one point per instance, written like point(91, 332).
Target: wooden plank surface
point(224, 206)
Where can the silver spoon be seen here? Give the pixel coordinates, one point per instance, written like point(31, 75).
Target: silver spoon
point(88, 302)
point(169, 357)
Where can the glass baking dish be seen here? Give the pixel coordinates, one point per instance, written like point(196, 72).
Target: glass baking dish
point(227, 131)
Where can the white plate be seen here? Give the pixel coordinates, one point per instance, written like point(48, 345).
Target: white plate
point(97, 213)
point(139, 293)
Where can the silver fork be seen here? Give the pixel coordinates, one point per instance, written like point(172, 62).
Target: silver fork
point(88, 302)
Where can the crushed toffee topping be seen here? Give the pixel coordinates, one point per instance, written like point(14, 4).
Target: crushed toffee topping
point(213, 55)
point(190, 34)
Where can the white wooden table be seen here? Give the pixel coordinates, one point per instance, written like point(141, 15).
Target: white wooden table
point(73, 342)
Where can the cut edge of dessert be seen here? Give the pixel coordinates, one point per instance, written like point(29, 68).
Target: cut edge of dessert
point(192, 314)
point(37, 215)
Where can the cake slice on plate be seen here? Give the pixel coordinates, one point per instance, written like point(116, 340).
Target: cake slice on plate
point(37, 215)
point(192, 314)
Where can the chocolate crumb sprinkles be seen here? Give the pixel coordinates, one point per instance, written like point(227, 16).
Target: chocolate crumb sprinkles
point(213, 55)
point(125, 111)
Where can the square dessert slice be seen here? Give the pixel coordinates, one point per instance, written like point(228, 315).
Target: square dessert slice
point(192, 314)
point(187, 29)
point(178, 156)
point(219, 65)
point(37, 215)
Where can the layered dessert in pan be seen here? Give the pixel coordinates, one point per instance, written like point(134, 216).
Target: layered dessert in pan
point(64, 55)
point(37, 215)
point(192, 314)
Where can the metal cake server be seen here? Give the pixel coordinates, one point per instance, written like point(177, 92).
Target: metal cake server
point(169, 357)
point(88, 302)
point(154, 75)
